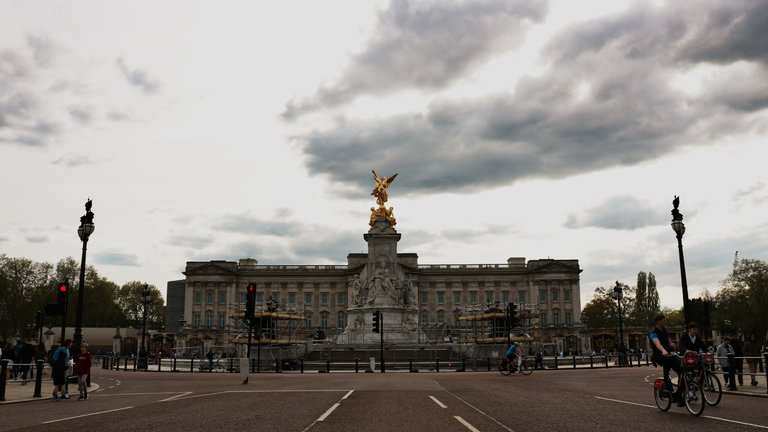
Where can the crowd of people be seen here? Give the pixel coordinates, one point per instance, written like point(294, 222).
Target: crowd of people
point(24, 354)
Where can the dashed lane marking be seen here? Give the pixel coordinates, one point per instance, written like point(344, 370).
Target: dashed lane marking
point(440, 404)
point(480, 411)
point(328, 411)
point(466, 424)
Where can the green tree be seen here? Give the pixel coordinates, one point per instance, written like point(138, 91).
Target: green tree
point(603, 310)
point(130, 303)
point(25, 285)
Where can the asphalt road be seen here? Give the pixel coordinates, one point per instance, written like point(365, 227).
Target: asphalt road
point(572, 400)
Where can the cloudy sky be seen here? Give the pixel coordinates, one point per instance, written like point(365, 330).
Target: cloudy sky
point(223, 130)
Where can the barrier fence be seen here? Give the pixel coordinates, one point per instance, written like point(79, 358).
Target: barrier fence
point(356, 365)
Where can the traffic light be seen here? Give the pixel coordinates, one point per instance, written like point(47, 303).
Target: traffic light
point(250, 301)
point(376, 322)
point(62, 295)
point(512, 320)
point(38, 320)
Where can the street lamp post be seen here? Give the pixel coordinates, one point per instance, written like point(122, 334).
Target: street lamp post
point(618, 294)
point(679, 228)
point(84, 231)
point(146, 298)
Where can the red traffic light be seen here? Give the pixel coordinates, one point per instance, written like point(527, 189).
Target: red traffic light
point(63, 288)
point(251, 288)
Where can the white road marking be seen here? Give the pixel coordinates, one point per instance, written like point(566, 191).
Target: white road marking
point(440, 404)
point(466, 424)
point(174, 397)
point(481, 412)
point(86, 415)
point(703, 416)
point(328, 412)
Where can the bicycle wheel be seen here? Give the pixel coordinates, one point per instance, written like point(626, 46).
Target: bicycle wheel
point(713, 390)
point(662, 398)
point(526, 368)
point(503, 369)
point(694, 398)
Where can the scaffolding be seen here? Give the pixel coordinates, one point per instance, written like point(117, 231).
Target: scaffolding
point(478, 324)
point(271, 327)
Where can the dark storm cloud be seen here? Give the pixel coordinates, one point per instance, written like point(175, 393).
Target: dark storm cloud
point(618, 213)
point(73, 161)
point(608, 98)
point(138, 77)
point(427, 44)
point(117, 258)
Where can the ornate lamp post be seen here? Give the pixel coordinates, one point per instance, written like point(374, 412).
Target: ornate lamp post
point(84, 231)
point(679, 228)
point(146, 298)
point(618, 294)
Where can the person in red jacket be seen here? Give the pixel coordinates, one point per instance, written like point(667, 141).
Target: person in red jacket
point(82, 370)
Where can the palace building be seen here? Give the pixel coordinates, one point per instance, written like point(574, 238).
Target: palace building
point(420, 303)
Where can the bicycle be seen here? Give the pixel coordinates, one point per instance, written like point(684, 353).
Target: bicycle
point(507, 368)
point(692, 394)
point(708, 381)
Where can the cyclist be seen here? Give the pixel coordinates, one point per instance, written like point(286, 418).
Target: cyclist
point(513, 356)
point(691, 341)
point(661, 346)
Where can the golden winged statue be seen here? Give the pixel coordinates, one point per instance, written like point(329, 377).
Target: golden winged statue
point(382, 183)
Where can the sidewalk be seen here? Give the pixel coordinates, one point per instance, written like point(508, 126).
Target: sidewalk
point(17, 392)
point(747, 389)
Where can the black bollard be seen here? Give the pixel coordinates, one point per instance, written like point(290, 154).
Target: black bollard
point(39, 378)
point(606, 361)
point(555, 361)
point(488, 359)
point(357, 365)
point(591, 365)
point(231, 364)
point(301, 364)
point(327, 365)
point(3, 374)
point(174, 365)
point(574, 361)
point(463, 364)
point(437, 365)
point(191, 364)
point(159, 363)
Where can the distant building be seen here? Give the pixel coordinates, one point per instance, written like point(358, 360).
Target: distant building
point(213, 290)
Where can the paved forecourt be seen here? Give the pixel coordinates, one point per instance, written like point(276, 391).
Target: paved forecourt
point(619, 399)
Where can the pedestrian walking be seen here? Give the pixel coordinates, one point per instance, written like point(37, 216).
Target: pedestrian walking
point(752, 353)
point(60, 363)
point(725, 354)
point(25, 359)
point(738, 357)
point(210, 360)
point(83, 371)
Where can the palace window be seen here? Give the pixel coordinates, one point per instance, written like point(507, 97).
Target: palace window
point(324, 320)
point(308, 320)
point(324, 298)
point(489, 297)
point(341, 320)
point(341, 299)
point(543, 319)
point(222, 320)
point(568, 318)
point(556, 317)
point(209, 319)
point(440, 317)
point(555, 295)
point(424, 317)
point(222, 297)
point(457, 297)
point(424, 297)
point(308, 298)
point(440, 297)
point(543, 296)
point(473, 297)
point(209, 297)
point(567, 295)
point(259, 297)
point(198, 298)
point(505, 297)
point(521, 297)
point(292, 298)
point(196, 320)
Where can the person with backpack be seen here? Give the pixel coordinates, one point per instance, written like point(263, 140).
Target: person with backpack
point(59, 363)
